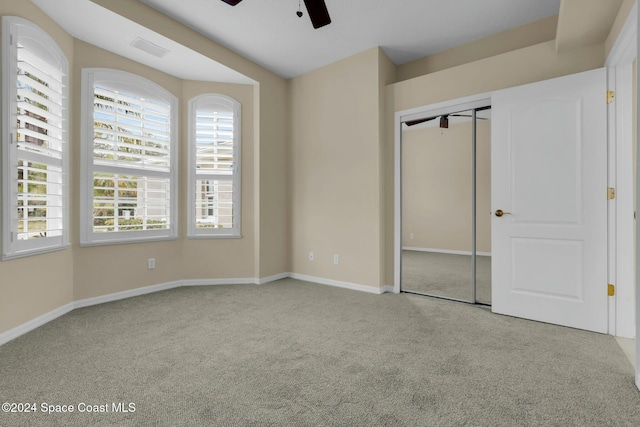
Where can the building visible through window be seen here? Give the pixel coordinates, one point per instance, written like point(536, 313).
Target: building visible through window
point(35, 141)
point(214, 148)
point(131, 162)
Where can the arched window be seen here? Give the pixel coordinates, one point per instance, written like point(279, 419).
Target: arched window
point(34, 141)
point(129, 147)
point(214, 166)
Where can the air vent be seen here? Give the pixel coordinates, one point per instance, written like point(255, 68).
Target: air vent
point(149, 47)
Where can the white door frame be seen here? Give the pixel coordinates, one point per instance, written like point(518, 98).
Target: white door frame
point(622, 55)
point(636, 24)
point(622, 306)
point(446, 107)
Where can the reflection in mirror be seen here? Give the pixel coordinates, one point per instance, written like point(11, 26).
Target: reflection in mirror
point(437, 207)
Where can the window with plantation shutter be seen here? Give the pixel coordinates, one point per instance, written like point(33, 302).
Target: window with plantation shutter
point(129, 158)
point(35, 145)
point(214, 161)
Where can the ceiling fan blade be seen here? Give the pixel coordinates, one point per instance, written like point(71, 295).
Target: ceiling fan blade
point(418, 121)
point(444, 122)
point(232, 2)
point(318, 13)
point(467, 115)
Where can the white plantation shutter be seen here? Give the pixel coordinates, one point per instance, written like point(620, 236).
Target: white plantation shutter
point(214, 185)
point(131, 132)
point(214, 142)
point(35, 141)
point(129, 149)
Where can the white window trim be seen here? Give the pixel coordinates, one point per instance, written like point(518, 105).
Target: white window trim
point(12, 27)
point(206, 233)
point(146, 88)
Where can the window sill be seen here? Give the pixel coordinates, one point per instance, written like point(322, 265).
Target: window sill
point(33, 252)
point(128, 241)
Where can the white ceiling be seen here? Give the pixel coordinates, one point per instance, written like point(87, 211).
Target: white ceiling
point(269, 33)
point(123, 31)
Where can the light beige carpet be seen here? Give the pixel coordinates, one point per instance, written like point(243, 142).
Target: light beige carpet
point(292, 353)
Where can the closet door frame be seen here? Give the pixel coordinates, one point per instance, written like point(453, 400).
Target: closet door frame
point(446, 107)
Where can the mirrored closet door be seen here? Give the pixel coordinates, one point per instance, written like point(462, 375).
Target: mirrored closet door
point(446, 214)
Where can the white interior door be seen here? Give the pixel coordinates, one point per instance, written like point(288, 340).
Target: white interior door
point(549, 177)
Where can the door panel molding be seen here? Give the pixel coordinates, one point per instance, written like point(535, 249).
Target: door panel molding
point(549, 170)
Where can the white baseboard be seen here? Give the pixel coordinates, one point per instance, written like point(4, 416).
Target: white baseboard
point(387, 290)
point(125, 294)
point(236, 281)
point(218, 282)
point(443, 251)
point(14, 333)
point(268, 279)
point(336, 283)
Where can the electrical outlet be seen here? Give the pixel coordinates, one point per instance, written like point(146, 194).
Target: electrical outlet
point(336, 259)
point(311, 256)
point(411, 236)
point(151, 263)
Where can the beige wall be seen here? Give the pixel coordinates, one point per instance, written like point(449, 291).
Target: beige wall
point(584, 23)
point(516, 38)
point(621, 18)
point(271, 169)
point(182, 258)
point(32, 286)
point(101, 270)
point(388, 74)
point(271, 228)
point(220, 258)
point(335, 170)
point(437, 185)
point(531, 64)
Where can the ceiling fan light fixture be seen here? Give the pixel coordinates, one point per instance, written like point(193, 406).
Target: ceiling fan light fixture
point(299, 12)
point(317, 10)
point(318, 13)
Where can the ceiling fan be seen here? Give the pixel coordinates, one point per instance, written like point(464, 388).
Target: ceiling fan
point(316, 9)
point(444, 119)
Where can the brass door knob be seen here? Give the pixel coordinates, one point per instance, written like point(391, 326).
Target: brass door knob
point(500, 212)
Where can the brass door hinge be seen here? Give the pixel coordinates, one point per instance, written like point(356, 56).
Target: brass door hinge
point(611, 95)
point(611, 193)
point(611, 290)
